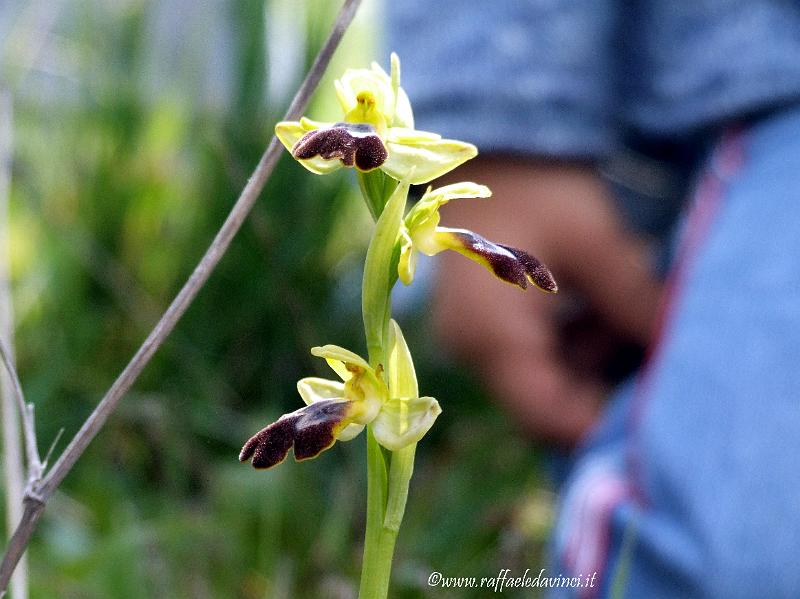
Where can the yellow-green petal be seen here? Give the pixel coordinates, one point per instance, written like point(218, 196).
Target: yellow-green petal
point(454, 191)
point(407, 265)
point(424, 216)
point(339, 368)
point(334, 352)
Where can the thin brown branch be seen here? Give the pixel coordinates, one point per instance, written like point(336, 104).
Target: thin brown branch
point(179, 305)
point(20, 539)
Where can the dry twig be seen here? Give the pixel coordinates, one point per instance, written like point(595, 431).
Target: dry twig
point(37, 497)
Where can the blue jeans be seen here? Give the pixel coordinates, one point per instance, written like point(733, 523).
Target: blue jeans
point(690, 487)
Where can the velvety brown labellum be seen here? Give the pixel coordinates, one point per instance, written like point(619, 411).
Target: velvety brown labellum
point(353, 143)
point(536, 272)
point(508, 263)
point(311, 430)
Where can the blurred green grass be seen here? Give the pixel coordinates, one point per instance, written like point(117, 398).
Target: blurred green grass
point(117, 189)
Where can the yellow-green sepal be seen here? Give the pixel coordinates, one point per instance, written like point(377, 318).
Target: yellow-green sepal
point(313, 389)
point(436, 198)
point(405, 418)
point(402, 375)
point(425, 153)
point(404, 421)
point(403, 115)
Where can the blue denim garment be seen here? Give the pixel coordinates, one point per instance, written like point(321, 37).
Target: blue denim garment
point(528, 77)
point(698, 462)
point(572, 78)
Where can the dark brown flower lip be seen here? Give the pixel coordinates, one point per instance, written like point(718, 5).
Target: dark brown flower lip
point(355, 144)
point(508, 263)
point(311, 430)
point(536, 272)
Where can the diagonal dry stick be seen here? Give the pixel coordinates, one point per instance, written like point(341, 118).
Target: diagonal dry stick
point(36, 499)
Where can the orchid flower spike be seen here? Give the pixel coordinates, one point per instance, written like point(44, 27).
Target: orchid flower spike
point(421, 233)
point(377, 131)
point(339, 410)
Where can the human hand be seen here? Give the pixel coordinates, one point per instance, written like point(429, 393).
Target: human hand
point(549, 376)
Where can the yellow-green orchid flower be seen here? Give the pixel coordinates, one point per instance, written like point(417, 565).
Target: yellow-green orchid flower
point(340, 410)
point(377, 131)
point(421, 233)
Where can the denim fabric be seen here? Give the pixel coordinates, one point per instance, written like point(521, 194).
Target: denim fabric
point(527, 77)
point(698, 462)
point(572, 78)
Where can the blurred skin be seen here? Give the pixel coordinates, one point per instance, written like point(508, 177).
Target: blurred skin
point(550, 381)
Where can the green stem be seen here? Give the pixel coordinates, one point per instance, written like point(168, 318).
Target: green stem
point(374, 573)
point(386, 494)
point(382, 536)
point(371, 573)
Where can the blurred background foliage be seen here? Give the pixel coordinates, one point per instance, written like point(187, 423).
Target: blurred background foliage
point(135, 126)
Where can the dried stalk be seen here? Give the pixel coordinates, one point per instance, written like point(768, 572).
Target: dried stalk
point(13, 467)
point(35, 501)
